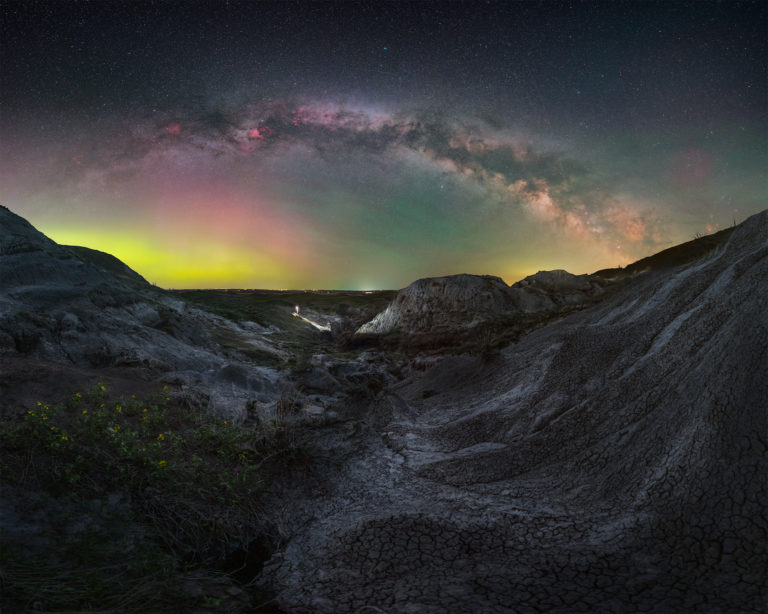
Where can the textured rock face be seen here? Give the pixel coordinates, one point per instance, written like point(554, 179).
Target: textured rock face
point(443, 303)
point(89, 310)
point(459, 302)
point(614, 461)
point(553, 289)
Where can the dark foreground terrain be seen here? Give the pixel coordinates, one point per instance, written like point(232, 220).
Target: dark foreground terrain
point(567, 444)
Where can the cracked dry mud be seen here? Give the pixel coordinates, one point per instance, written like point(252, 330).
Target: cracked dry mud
point(614, 461)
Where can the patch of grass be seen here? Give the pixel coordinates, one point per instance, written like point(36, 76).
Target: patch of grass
point(298, 340)
point(272, 307)
point(102, 570)
point(191, 486)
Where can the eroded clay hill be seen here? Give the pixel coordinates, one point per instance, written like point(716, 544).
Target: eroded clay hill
point(84, 313)
point(614, 461)
point(456, 304)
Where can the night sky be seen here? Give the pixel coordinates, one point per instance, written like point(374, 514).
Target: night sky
point(365, 145)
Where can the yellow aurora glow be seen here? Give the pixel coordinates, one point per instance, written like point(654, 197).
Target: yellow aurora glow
point(198, 264)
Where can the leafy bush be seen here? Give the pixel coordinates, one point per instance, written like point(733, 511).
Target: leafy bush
point(192, 485)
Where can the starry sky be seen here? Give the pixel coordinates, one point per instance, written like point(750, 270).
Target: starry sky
point(365, 145)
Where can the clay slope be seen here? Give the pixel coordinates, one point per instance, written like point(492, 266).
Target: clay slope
point(614, 461)
point(78, 309)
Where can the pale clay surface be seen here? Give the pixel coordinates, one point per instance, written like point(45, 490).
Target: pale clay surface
point(615, 461)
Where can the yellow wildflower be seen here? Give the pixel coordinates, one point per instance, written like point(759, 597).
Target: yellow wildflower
point(167, 398)
point(39, 404)
point(64, 438)
point(119, 409)
point(85, 411)
point(101, 404)
point(144, 411)
point(161, 437)
point(162, 463)
point(143, 418)
point(116, 428)
point(165, 387)
point(53, 428)
point(46, 407)
point(44, 417)
point(30, 412)
point(78, 395)
point(133, 396)
point(102, 387)
point(226, 422)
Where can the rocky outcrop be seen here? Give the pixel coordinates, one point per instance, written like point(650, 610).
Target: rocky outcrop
point(613, 461)
point(443, 303)
point(455, 304)
point(554, 289)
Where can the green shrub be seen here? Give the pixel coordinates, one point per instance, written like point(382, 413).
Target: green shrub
point(192, 484)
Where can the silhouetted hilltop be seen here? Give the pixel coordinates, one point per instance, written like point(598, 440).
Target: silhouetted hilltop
point(108, 262)
point(670, 257)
